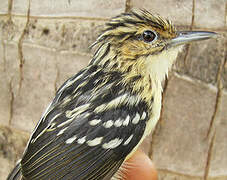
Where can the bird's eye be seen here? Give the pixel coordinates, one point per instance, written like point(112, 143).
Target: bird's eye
point(148, 36)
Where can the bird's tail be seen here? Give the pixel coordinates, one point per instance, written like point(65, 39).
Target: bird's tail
point(15, 173)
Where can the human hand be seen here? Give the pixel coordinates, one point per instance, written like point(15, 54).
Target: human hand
point(138, 167)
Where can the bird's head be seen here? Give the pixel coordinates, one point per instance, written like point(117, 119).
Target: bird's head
point(142, 44)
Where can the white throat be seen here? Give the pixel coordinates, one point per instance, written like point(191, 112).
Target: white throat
point(159, 65)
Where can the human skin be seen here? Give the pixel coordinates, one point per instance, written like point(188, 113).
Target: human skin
point(139, 166)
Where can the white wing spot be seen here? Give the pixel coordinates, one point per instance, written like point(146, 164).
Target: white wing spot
point(118, 123)
point(81, 140)
point(128, 140)
point(65, 122)
point(76, 111)
point(112, 104)
point(108, 124)
point(134, 100)
point(95, 141)
point(112, 144)
point(126, 121)
point(94, 122)
point(136, 119)
point(55, 117)
point(143, 115)
point(62, 131)
point(70, 140)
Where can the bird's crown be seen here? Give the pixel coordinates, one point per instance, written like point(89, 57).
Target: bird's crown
point(137, 33)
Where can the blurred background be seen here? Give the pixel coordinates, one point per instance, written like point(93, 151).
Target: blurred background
point(42, 43)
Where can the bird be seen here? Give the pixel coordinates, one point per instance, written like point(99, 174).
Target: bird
point(100, 116)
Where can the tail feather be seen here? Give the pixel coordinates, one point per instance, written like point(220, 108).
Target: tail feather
point(15, 174)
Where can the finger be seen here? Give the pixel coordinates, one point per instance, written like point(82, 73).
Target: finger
point(139, 166)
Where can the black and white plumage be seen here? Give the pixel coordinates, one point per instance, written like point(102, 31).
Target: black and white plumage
point(76, 124)
point(100, 116)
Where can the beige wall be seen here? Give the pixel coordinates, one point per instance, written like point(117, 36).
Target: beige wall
point(40, 51)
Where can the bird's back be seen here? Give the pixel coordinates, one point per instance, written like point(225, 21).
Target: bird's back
point(91, 126)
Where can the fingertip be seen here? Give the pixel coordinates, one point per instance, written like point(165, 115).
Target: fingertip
point(140, 167)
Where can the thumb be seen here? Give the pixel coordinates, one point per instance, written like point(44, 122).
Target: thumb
point(139, 166)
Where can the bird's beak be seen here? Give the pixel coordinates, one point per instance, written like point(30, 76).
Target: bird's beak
point(184, 37)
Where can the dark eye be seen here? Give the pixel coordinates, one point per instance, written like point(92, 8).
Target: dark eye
point(148, 36)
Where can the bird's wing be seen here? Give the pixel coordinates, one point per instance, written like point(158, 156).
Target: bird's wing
point(85, 134)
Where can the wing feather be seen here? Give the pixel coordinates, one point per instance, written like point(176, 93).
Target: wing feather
point(60, 150)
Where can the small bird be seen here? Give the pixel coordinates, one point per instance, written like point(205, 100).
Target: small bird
point(101, 115)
